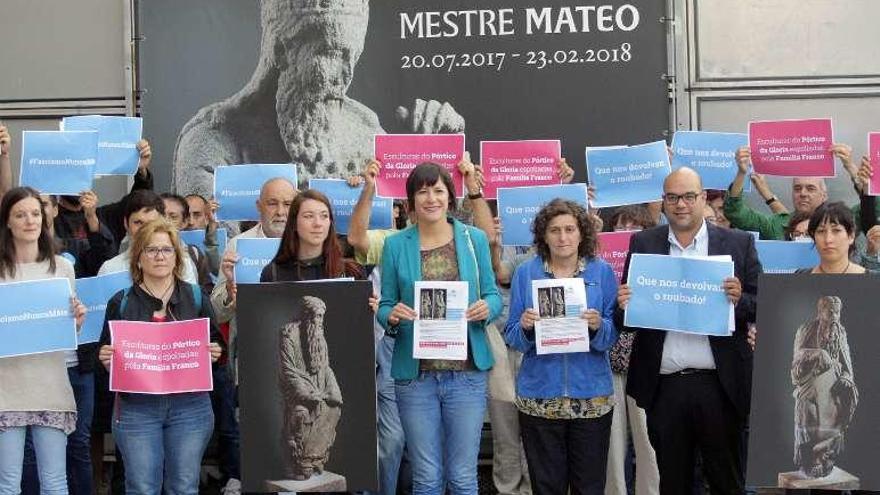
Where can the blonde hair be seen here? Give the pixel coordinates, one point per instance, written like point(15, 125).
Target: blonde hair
point(142, 239)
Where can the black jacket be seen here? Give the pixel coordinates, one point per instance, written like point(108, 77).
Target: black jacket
point(140, 307)
point(733, 356)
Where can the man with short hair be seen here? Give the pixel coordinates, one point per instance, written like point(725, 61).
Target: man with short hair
point(141, 208)
point(275, 199)
point(807, 193)
point(201, 217)
point(695, 389)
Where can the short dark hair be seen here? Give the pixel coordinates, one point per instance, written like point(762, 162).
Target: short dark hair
point(180, 200)
point(834, 213)
point(589, 237)
point(427, 174)
point(142, 199)
point(637, 214)
point(196, 195)
point(795, 218)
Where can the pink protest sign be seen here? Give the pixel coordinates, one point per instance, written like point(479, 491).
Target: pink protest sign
point(874, 156)
point(160, 358)
point(400, 153)
point(519, 164)
point(792, 148)
point(613, 248)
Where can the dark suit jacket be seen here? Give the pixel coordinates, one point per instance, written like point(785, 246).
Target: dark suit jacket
point(733, 356)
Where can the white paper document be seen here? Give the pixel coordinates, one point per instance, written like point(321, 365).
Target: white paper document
point(560, 302)
point(440, 330)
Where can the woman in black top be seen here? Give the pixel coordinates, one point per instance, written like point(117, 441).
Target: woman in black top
point(309, 248)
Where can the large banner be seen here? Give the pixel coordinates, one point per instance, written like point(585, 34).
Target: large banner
point(815, 395)
point(221, 87)
point(307, 387)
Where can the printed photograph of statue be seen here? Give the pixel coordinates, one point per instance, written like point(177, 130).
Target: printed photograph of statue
point(826, 398)
point(295, 107)
point(311, 397)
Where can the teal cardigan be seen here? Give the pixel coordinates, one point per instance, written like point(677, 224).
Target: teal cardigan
point(402, 266)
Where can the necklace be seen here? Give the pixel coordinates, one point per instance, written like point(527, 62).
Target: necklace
point(164, 292)
point(821, 270)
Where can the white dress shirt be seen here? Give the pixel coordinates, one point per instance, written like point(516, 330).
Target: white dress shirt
point(683, 350)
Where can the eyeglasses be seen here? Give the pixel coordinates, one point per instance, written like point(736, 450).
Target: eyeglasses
point(688, 197)
point(154, 251)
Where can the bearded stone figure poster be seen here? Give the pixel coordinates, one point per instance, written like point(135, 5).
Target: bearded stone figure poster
point(310, 82)
point(307, 387)
point(813, 396)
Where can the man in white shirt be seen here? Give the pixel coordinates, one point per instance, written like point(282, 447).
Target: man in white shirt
point(695, 390)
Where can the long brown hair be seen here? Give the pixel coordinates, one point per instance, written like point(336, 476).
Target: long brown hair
point(334, 263)
point(45, 243)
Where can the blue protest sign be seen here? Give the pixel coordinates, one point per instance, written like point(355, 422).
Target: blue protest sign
point(94, 292)
point(237, 188)
point(679, 294)
point(786, 256)
point(117, 141)
point(517, 207)
point(343, 198)
point(253, 255)
point(35, 317)
point(197, 238)
point(711, 154)
point(58, 162)
point(628, 175)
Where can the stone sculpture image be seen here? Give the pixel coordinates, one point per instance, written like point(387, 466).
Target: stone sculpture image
point(825, 396)
point(311, 397)
point(295, 108)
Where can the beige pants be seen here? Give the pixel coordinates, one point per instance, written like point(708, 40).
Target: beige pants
point(509, 470)
point(647, 476)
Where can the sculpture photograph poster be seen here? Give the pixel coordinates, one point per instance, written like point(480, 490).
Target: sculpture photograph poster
point(814, 387)
point(311, 82)
point(307, 389)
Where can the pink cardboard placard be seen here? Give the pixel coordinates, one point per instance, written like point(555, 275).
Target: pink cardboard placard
point(160, 358)
point(874, 156)
point(519, 164)
point(792, 148)
point(400, 153)
point(613, 248)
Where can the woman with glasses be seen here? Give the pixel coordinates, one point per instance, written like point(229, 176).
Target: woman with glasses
point(565, 400)
point(161, 437)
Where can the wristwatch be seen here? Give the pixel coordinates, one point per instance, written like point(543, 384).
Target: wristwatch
point(771, 200)
point(476, 195)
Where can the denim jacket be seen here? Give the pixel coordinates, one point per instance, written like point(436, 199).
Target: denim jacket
point(579, 375)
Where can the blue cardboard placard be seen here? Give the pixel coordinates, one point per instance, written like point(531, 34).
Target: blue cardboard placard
point(95, 292)
point(253, 255)
point(786, 256)
point(343, 198)
point(58, 162)
point(679, 294)
point(117, 141)
point(36, 317)
point(237, 188)
point(627, 175)
point(711, 154)
point(517, 207)
point(196, 237)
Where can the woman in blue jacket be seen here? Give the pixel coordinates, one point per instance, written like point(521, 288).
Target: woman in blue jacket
point(565, 400)
point(441, 402)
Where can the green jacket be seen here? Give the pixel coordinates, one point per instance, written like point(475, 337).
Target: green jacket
point(771, 226)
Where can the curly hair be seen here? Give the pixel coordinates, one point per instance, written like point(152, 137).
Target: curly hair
point(589, 238)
